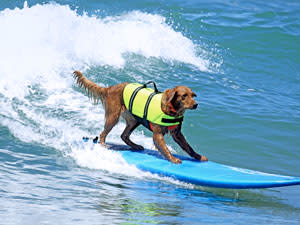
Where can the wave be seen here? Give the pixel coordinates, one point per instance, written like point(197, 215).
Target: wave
point(41, 46)
point(51, 38)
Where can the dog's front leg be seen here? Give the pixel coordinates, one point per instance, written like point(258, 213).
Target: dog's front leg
point(180, 140)
point(159, 142)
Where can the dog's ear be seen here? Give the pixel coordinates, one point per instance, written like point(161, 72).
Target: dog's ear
point(169, 95)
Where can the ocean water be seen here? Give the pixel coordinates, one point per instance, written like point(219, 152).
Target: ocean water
point(242, 58)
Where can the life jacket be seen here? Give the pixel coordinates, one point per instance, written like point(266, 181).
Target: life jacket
point(145, 105)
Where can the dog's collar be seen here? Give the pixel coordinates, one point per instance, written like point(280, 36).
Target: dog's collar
point(172, 109)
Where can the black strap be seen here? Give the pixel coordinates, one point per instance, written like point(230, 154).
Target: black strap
point(137, 90)
point(147, 106)
point(154, 85)
point(133, 97)
point(164, 120)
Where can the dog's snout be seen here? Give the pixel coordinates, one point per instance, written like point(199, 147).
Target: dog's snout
point(195, 106)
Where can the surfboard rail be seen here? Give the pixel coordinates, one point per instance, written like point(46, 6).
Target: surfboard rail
point(209, 173)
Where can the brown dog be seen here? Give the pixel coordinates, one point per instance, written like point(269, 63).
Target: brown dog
point(174, 103)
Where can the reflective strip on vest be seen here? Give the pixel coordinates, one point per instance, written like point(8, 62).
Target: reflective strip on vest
point(155, 114)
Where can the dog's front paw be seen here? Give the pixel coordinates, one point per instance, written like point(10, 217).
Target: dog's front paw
point(137, 147)
point(203, 159)
point(175, 160)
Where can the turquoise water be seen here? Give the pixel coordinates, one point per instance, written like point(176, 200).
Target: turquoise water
point(242, 58)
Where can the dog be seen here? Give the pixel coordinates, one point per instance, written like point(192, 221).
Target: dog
point(173, 104)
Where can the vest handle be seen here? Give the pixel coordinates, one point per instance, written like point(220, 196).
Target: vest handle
point(154, 85)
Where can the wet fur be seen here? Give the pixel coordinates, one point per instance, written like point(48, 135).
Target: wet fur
point(174, 102)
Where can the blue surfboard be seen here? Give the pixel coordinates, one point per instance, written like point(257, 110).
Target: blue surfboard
point(202, 173)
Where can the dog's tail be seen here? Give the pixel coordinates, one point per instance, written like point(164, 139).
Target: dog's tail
point(94, 91)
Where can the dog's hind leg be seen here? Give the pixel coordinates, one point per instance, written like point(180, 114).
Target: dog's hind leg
point(131, 124)
point(109, 124)
point(126, 133)
point(112, 115)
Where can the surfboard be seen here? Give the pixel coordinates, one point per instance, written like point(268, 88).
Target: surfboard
point(209, 173)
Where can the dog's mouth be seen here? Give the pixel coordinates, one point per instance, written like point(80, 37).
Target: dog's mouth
point(192, 107)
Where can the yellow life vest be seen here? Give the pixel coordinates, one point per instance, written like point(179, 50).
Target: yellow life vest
point(145, 105)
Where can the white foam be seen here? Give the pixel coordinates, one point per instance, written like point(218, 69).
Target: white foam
point(43, 41)
point(40, 47)
point(96, 157)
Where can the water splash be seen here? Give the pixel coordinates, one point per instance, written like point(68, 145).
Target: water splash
point(38, 54)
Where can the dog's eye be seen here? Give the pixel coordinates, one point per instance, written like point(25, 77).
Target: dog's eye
point(184, 96)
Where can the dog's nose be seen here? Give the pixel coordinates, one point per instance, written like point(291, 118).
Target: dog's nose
point(195, 106)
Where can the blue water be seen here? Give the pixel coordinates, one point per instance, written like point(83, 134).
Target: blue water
point(242, 58)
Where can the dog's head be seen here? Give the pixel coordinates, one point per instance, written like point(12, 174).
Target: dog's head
point(178, 99)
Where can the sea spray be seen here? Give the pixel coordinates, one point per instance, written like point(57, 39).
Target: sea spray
point(39, 53)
